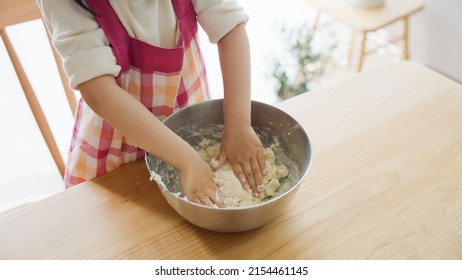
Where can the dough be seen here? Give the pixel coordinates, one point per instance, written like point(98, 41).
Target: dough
point(234, 194)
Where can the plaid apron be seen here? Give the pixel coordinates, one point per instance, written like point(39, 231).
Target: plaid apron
point(162, 79)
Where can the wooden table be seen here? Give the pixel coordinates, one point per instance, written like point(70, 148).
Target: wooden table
point(386, 183)
point(365, 20)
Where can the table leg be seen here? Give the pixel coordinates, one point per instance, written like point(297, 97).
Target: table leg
point(362, 51)
point(405, 50)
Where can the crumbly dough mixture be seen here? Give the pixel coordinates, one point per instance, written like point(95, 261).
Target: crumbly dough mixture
point(234, 194)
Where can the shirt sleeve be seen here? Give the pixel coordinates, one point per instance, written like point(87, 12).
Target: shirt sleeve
point(218, 17)
point(79, 40)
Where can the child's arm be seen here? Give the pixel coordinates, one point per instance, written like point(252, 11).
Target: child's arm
point(240, 144)
point(136, 123)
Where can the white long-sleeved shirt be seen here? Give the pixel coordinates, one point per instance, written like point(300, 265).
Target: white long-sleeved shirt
point(85, 48)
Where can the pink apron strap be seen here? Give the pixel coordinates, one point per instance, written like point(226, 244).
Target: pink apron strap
point(187, 19)
point(131, 51)
point(118, 37)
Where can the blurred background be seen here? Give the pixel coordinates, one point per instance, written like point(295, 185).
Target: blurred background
point(281, 37)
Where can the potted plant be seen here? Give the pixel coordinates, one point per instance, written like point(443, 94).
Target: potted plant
point(305, 61)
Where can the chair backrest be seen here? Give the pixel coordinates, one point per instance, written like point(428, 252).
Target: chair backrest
point(18, 11)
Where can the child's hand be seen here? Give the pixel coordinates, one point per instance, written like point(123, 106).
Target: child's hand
point(241, 146)
point(198, 183)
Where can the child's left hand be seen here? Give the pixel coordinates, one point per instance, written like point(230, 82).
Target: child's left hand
point(241, 146)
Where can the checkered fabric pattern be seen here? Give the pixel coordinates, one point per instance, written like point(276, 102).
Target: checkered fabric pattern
point(98, 148)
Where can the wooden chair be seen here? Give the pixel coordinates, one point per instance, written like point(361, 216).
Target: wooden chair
point(363, 21)
point(18, 11)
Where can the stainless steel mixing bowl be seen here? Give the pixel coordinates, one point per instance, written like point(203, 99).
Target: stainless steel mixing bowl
point(202, 120)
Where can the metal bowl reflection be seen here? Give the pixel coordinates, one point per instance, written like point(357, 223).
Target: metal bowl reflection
point(197, 121)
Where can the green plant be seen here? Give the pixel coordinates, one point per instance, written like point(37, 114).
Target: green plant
point(302, 64)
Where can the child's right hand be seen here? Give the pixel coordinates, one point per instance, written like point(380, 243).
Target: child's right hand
point(198, 183)
point(138, 124)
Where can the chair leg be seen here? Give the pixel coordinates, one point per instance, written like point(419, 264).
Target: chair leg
point(33, 103)
point(405, 50)
point(362, 51)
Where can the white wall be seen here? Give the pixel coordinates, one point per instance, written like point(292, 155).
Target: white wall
point(436, 37)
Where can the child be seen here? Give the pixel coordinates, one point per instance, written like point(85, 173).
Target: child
point(135, 63)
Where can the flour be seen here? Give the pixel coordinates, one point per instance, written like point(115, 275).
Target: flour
point(234, 194)
point(157, 178)
point(282, 170)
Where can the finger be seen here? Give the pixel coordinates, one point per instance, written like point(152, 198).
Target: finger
point(218, 199)
point(206, 201)
point(194, 199)
point(220, 159)
point(257, 174)
point(240, 175)
point(248, 172)
point(262, 161)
